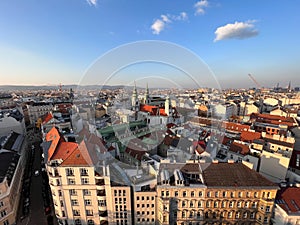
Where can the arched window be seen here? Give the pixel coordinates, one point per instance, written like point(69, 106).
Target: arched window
point(77, 222)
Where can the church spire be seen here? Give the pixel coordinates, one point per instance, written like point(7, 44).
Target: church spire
point(134, 98)
point(147, 95)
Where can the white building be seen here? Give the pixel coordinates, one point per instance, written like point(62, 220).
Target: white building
point(287, 207)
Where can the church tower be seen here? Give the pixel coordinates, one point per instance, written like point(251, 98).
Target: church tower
point(147, 100)
point(134, 99)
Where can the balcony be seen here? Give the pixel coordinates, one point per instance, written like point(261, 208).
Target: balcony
point(100, 182)
point(100, 192)
point(103, 213)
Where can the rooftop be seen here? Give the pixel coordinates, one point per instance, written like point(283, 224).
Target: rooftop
point(8, 163)
point(234, 174)
point(289, 199)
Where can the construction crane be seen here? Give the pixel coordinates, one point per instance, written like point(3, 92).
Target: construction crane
point(253, 79)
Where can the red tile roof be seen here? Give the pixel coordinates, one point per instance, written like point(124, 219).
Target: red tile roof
point(47, 118)
point(235, 126)
point(239, 148)
point(55, 137)
point(237, 174)
point(134, 153)
point(153, 110)
point(289, 199)
point(249, 136)
point(75, 159)
point(64, 150)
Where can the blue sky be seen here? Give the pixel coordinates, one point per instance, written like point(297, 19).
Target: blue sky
point(55, 41)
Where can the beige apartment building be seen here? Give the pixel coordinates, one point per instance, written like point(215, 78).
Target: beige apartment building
point(12, 163)
point(89, 191)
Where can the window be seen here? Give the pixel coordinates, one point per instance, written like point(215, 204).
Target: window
point(255, 194)
point(230, 215)
point(183, 203)
point(89, 212)
point(208, 194)
point(74, 202)
point(184, 194)
point(240, 194)
point(232, 194)
point(73, 192)
point(200, 194)
point(176, 194)
point(83, 172)
point(216, 194)
point(101, 203)
point(71, 181)
point(199, 204)
point(268, 209)
point(1, 204)
point(167, 193)
point(252, 215)
point(84, 180)
point(70, 172)
point(191, 204)
point(237, 215)
point(192, 194)
point(76, 213)
point(77, 222)
point(90, 222)
point(254, 205)
point(6, 222)
point(231, 204)
point(183, 214)
point(246, 204)
point(239, 204)
point(198, 215)
point(162, 193)
point(266, 219)
point(248, 194)
point(86, 192)
point(216, 204)
point(224, 194)
point(224, 204)
point(245, 215)
point(87, 202)
point(208, 204)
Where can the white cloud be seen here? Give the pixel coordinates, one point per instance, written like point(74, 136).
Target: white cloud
point(237, 30)
point(92, 2)
point(165, 18)
point(160, 24)
point(200, 7)
point(182, 16)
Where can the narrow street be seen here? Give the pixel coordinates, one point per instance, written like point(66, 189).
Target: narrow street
point(36, 215)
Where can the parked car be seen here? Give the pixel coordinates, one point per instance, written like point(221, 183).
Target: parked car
point(36, 173)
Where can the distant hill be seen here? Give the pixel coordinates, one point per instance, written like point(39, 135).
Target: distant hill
point(5, 88)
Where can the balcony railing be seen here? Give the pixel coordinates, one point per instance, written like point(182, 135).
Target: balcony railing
point(100, 192)
point(100, 182)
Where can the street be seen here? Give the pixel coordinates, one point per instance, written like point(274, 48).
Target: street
point(36, 214)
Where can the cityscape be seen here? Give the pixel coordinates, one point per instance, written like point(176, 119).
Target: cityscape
point(149, 113)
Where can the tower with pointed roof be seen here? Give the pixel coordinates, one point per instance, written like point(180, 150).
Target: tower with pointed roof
point(147, 100)
point(134, 99)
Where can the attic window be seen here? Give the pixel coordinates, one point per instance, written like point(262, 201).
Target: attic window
point(78, 155)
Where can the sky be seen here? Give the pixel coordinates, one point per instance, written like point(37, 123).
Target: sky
point(58, 41)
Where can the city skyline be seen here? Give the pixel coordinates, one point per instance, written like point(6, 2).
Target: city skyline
point(56, 42)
